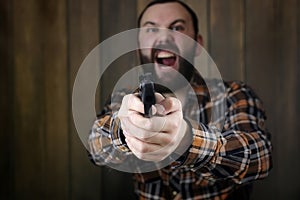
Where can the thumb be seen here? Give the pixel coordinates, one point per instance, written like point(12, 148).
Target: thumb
point(159, 109)
point(123, 111)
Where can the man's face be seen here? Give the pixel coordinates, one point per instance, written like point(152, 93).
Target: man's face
point(174, 18)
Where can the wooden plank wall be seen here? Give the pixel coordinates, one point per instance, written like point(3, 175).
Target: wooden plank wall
point(42, 45)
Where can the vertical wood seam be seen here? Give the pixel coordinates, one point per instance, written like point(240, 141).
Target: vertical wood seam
point(12, 108)
point(298, 39)
point(244, 43)
point(69, 96)
point(208, 26)
point(44, 106)
point(245, 75)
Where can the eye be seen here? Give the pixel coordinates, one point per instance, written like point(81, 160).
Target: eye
point(151, 30)
point(177, 28)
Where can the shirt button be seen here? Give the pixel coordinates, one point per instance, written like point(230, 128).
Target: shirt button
point(174, 193)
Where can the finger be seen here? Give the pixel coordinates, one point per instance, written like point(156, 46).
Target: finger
point(158, 109)
point(161, 139)
point(171, 104)
point(130, 103)
point(173, 121)
point(123, 111)
point(133, 130)
point(153, 124)
point(134, 103)
point(140, 146)
point(147, 152)
point(159, 97)
point(142, 156)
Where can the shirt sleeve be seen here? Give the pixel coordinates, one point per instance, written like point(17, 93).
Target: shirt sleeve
point(106, 140)
point(242, 150)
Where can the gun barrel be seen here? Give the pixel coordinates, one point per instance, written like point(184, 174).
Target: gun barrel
point(147, 93)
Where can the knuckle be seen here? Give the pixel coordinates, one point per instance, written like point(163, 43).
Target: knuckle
point(142, 148)
point(125, 99)
point(175, 102)
point(174, 124)
point(147, 124)
point(171, 102)
point(168, 140)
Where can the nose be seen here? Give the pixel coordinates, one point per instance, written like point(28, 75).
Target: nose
point(165, 36)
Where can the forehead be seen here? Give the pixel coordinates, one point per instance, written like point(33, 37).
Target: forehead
point(165, 13)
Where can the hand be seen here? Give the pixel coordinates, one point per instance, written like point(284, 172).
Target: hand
point(155, 138)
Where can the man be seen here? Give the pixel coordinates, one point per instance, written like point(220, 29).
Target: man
point(217, 164)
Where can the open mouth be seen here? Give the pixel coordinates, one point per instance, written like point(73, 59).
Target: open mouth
point(165, 58)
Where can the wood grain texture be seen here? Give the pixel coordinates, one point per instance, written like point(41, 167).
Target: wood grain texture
point(140, 5)
point(83, 35)
point(262, 72)
point(55, 92)
point(286, 102)
point(227, 37)
point(200, 7)
point(40, 97)
point(124, 20)
point(29, 154)
point(6, 98)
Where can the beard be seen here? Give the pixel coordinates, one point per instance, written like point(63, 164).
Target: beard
point(185, 69)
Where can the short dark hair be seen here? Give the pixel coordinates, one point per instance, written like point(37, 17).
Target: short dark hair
point(192, 13)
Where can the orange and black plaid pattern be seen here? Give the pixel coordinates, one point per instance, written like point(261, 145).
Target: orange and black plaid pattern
point(217, 163)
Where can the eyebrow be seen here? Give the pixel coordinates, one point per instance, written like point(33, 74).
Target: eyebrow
point(149, 23)
point(155, 24)
point(178, 20)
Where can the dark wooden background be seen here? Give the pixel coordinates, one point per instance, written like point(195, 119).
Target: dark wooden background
point(43, 44)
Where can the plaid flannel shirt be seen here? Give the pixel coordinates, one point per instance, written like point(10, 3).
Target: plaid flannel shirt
point(217, 162)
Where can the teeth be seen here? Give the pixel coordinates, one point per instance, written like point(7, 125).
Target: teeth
point(165, 54)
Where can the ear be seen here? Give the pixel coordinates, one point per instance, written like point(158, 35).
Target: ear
point(198, 47)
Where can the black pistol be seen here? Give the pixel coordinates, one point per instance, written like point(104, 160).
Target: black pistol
point(147, 93)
